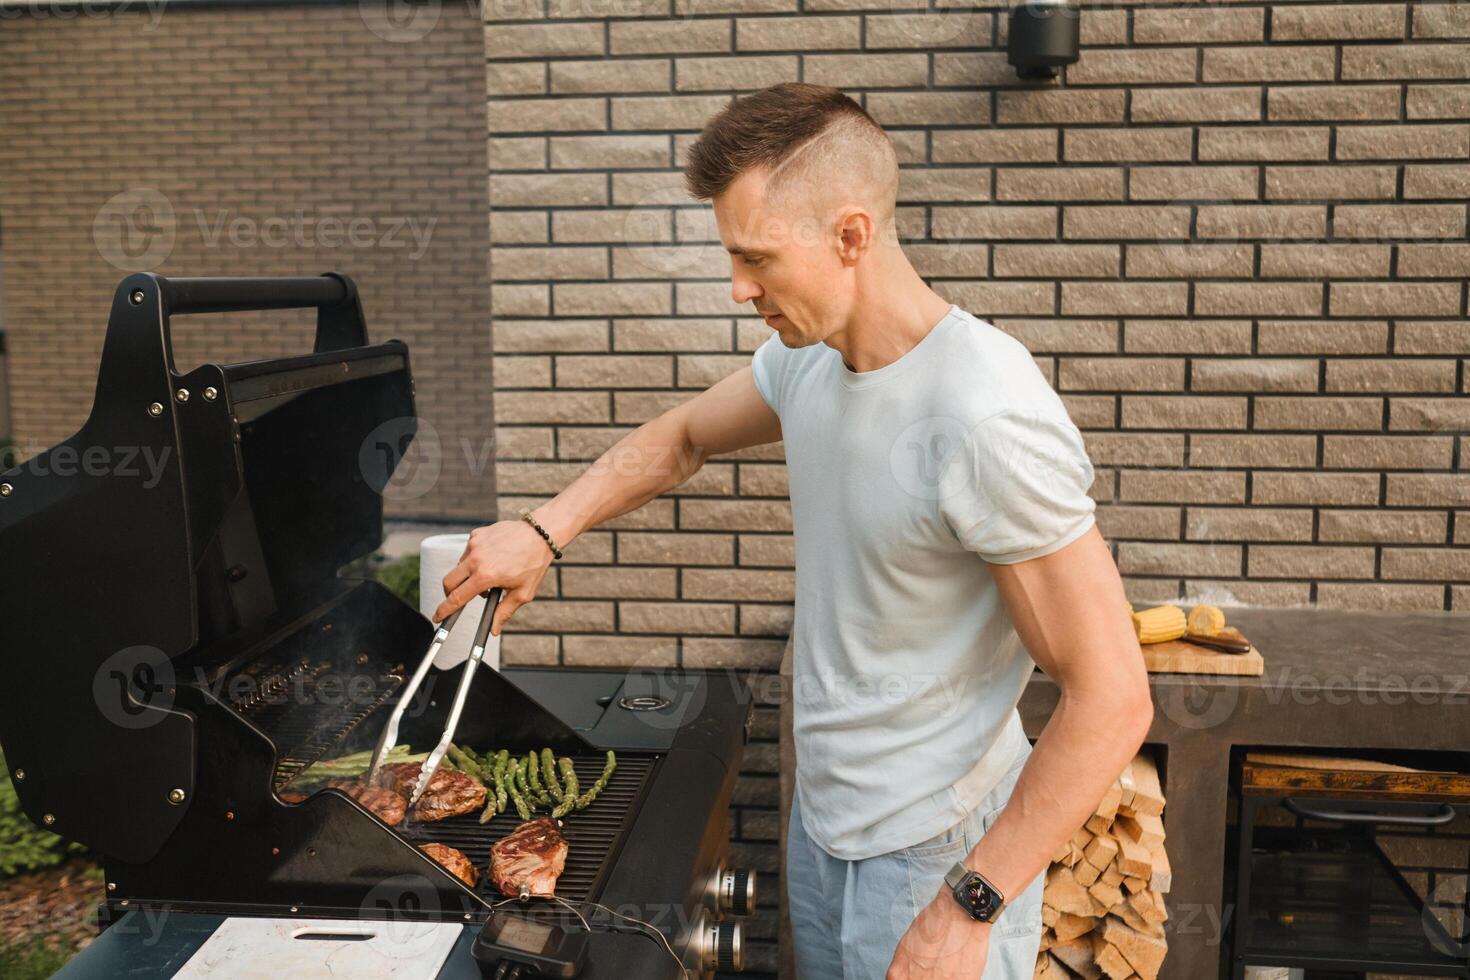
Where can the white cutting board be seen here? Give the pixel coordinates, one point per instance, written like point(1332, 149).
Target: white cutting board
point(274, 949)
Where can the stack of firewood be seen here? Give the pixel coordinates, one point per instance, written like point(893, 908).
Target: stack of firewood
point(1103, 907)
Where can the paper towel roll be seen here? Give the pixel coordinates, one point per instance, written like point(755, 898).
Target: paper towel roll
point(437, 557)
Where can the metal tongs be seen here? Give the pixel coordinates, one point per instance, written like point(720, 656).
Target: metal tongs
point(477, 654)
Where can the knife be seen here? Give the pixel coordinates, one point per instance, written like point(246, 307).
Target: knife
point(1214, 642)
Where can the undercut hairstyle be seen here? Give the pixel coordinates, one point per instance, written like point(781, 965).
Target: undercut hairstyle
point(819, 146)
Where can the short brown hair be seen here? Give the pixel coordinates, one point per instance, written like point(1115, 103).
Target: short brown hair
point(767, 129)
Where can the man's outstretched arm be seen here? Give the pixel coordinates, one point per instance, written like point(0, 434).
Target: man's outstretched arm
point(1070, 611)
point(651, 460)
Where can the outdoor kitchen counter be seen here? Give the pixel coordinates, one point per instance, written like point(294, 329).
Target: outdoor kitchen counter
point(1334, 679)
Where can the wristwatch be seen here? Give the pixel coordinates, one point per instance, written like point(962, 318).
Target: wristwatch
point(977, 896)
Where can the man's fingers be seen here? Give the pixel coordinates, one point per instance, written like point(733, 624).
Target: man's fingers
point(458, 575)
point(507, 608)
point(457, 600)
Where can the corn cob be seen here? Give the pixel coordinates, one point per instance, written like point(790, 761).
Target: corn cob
point(1159, 624)
point(1206, 619)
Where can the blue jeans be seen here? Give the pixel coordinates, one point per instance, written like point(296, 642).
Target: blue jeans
point(847, 917)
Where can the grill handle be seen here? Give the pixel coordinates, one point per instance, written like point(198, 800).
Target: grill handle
point(340, 323)
point(224, 294)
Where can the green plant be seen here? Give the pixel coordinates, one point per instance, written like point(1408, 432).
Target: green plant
point(401, 577)
point(24, 846)
point(36, 960)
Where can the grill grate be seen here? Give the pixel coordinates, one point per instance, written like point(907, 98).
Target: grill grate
point(306, 717)
point(594, 835)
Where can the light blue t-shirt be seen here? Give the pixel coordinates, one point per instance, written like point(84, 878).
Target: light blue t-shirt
point(905, 481)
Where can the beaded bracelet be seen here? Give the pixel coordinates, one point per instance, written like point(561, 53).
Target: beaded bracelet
point(526, 516)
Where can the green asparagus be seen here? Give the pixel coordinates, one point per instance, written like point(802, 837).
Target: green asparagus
point(607, 770)
point(548, 766)
point(569, 776)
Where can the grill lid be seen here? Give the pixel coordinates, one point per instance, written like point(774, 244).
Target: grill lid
point(267, 479)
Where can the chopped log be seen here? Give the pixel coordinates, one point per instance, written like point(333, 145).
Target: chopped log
point(1135, 921)
point(1112, 876)
point(1109, 895)
point(1065, 894)
point(1086, 872)
point(1133, 858)
point(1148, 797)
point(1048, 967)
point(1107, 807)
point(1134, 885)
point(1162, 876)
point(1069, 926)
point(1127, 785)
point(1150, 905)
point(1077, 955)
point(1146, 828)
point(1049, 915)
point(1144, 953)
point(1101, 851)
point(1109, 959)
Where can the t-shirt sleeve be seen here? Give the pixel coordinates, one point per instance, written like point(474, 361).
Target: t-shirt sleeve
point(1017, 487)
point(768, 365)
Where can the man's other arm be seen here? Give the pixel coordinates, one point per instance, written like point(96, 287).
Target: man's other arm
point(1070, 611)
point(649, 461)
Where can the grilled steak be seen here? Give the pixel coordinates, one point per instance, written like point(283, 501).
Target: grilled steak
point(454, 861)
point(449, 793)
point(387, 805)
point(531, 857)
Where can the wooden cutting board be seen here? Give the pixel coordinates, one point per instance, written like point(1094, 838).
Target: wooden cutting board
point(1178, 657)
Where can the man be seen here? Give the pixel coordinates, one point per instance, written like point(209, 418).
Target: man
point(945, 545)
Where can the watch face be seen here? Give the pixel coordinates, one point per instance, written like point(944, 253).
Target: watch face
point(980, 899)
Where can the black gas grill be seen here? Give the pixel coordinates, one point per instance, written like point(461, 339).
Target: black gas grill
point(180, 647)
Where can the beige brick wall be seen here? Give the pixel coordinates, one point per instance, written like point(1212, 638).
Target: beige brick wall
point(1233, 237)
point(284, 141)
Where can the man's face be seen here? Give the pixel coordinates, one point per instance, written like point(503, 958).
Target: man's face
point(786, 265)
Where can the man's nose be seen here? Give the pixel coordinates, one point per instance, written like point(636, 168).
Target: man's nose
point(744, 289)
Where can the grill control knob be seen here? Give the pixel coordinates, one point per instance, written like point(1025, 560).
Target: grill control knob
point(720, 946)
point(737, 892)
point(729, 946)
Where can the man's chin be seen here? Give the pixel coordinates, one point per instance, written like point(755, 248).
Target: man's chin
point(794, 341)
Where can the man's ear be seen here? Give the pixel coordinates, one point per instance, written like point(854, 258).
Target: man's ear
point(855, 230)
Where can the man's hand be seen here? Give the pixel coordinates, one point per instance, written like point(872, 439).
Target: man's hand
point(509, 555)
point(942, 943)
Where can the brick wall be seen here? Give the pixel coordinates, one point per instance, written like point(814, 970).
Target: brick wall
point(1233, 235)
point(258, 141)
